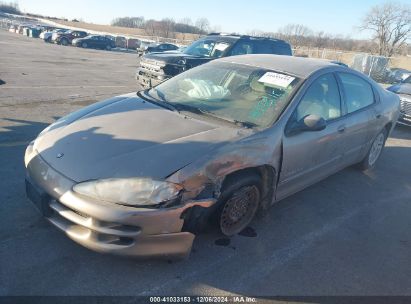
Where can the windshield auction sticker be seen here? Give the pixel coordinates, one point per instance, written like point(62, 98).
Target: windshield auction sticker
point(276, 79)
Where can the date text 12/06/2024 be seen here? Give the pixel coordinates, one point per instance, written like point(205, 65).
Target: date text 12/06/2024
point(203, 299)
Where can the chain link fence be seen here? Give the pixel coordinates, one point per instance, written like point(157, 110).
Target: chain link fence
point(377, 67)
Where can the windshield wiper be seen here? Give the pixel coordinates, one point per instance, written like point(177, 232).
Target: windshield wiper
point(162, 103)
point(199, 111)
point(245, 124)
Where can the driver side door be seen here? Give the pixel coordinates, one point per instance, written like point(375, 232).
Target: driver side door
point(309, 156)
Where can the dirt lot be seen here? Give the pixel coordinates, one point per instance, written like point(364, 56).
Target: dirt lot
point(348, 235)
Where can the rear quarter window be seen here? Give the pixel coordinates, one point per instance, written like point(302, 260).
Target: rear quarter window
point(271, 47)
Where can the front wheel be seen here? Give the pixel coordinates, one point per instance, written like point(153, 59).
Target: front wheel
point(239, 203)
point(108, 47)
point(84, 45)
point(64, 42)
point(374, 153)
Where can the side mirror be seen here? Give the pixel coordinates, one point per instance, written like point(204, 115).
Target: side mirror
point(313, 123)
point(308, 123)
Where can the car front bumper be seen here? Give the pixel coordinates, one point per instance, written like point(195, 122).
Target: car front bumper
point(105, 227)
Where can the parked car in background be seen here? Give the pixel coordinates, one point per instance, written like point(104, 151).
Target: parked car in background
point(182, 48)
point(13, 28)
point(94, 41)
point(140, 174)
point(157, 67)
point(398, 75)
point(46, 35)
point(156, 48)
point(403, 89)
point(110, 37)
point(65, 38)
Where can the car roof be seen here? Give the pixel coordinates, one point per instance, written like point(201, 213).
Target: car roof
point(299, 66)
point(245, 37)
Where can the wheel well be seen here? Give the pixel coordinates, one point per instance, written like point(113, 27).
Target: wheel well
point(388, 127)
point(196, 218)
point(267, 175)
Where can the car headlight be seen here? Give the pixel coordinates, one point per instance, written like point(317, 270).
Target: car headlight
point(130, 191)
point(160, 64)
point(181, 62)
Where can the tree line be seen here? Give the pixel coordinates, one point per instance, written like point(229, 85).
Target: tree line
point(388, 24)
point(166, 27)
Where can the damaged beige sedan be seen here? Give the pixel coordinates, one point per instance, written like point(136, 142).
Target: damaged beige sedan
point(140, 174)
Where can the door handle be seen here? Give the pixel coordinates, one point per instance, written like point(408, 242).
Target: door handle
point(341, 129)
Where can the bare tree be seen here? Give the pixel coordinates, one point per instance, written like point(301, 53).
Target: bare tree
point(390, 24)
point(151, 27)
point(215, 28)
point(203, 25)
point(167, 27)
point(321, 39)
point(295, 33)
point(186, 21)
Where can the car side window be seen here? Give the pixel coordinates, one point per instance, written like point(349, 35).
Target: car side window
point(322, 99)
point(242, 48)
point(358, 92)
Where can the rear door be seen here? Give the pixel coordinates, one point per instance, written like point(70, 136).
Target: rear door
point(102, 42)
point(312, 155)
point(359, 102)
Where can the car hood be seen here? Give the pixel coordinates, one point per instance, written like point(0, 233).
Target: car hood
point(168, 57)
point(402, 88)
point(128, 137)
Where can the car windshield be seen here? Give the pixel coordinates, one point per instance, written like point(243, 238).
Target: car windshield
point(207, 48)
point(251, 96)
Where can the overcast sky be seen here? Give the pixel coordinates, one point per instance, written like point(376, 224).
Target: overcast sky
point(241, 16)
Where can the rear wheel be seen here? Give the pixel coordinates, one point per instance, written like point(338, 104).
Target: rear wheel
point(374, 153)
point(108, 47)
point(239, 203)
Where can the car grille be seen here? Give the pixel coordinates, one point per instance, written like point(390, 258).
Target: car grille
point(150, 67)
point(405, 105)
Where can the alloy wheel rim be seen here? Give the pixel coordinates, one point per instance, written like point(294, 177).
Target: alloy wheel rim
point(376, 149)
point(239, 210)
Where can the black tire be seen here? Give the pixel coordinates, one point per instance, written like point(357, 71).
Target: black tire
point(238, 203)
point(64, 42)
point(374, 152)
point(84, 45)
point(108, 47)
